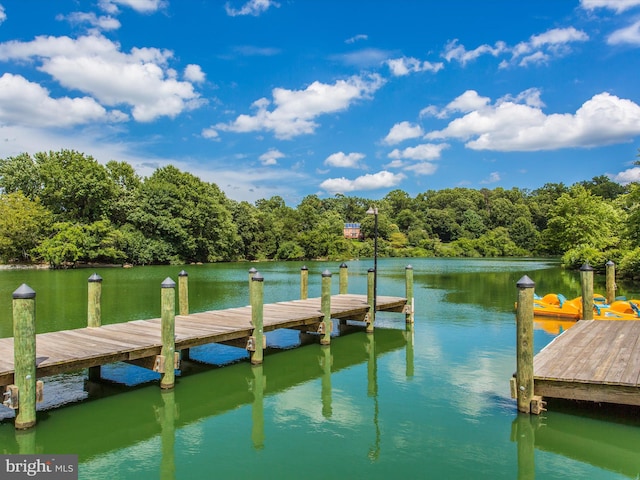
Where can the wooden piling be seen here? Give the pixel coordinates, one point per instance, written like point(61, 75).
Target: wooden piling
point(24, 349)
point(524, 344)
point(256, 294)
point(409, 308)
point(94, 313)
point(371, 300)
point(168, 320)
point(344, 279)
point(325, 307)
point(304, 283)
point(94, 310)
point(183, 293)
point(611, 281)
point(586, 281)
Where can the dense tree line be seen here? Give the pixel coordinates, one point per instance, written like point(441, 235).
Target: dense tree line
point(65, 208)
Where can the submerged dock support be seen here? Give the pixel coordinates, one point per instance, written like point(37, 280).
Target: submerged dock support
point(256, 293)
point(325, 307)
point(586, 280)
point(409, 308)
point(611, 281)
point(167, 381)
point(371, 299)
point(524, 345)
point(24, 346)
point(94, 313)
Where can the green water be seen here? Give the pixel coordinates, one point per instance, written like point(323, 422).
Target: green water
point(430, 402)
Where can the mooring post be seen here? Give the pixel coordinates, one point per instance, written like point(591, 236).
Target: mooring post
point(168, 307)
point(94, 313)
point(586, 280)
point(371, 315)
point(183, 293)
point(94, 310)
point(524, 345)
point(409, 308)
point(24, 354)
point(304, 283)
point(256, 294)
point(183, 304)
point(325, 307)
point(611, 281)
point(344, 279)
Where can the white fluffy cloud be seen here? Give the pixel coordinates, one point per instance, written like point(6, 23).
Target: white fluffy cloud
point(271, 157)
point(252, 7)
point(141, 6)
point(383, 179)
point(426, 151)
point(629, 35)
point(343, 160)
point(510, 126)
point(617, 5)
point(537, 49)
point(406, 65)
point(295, 110)
point(3, 15)
point(95, 65)
point(27, 103)
point(403, 131)
point(627, 176)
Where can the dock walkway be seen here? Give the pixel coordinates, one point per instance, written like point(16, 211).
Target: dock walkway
point(72, 350)
point(595, 360)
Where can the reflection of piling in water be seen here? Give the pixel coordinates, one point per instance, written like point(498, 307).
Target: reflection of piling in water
point(258, 386)
point(409, 354)
point(26, 440)
point(166, 415)
point(522, 432)
point(325, 364)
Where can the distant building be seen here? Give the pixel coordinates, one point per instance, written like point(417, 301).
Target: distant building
point(352, 230)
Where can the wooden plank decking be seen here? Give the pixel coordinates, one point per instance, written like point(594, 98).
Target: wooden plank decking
point(596, 360)
point(70, 350)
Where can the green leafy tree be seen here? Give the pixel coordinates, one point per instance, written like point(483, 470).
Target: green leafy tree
point(580, 218)
point(23, 225)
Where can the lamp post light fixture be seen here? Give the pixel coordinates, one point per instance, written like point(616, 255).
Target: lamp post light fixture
point(374, 211)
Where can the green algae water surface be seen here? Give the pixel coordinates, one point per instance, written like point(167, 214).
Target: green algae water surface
point(431, 401)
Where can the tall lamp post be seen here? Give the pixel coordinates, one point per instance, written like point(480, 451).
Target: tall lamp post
point(374, 211)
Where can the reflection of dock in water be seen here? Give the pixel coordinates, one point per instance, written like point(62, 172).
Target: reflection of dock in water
point(150, 413)
point(574, 438)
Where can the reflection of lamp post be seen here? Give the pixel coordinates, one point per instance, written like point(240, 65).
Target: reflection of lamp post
point(374, 211)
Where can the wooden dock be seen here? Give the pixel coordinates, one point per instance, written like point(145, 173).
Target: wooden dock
point(595, 360)
point(134, 341)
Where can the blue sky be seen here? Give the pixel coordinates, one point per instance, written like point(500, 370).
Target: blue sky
point(300, 97)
